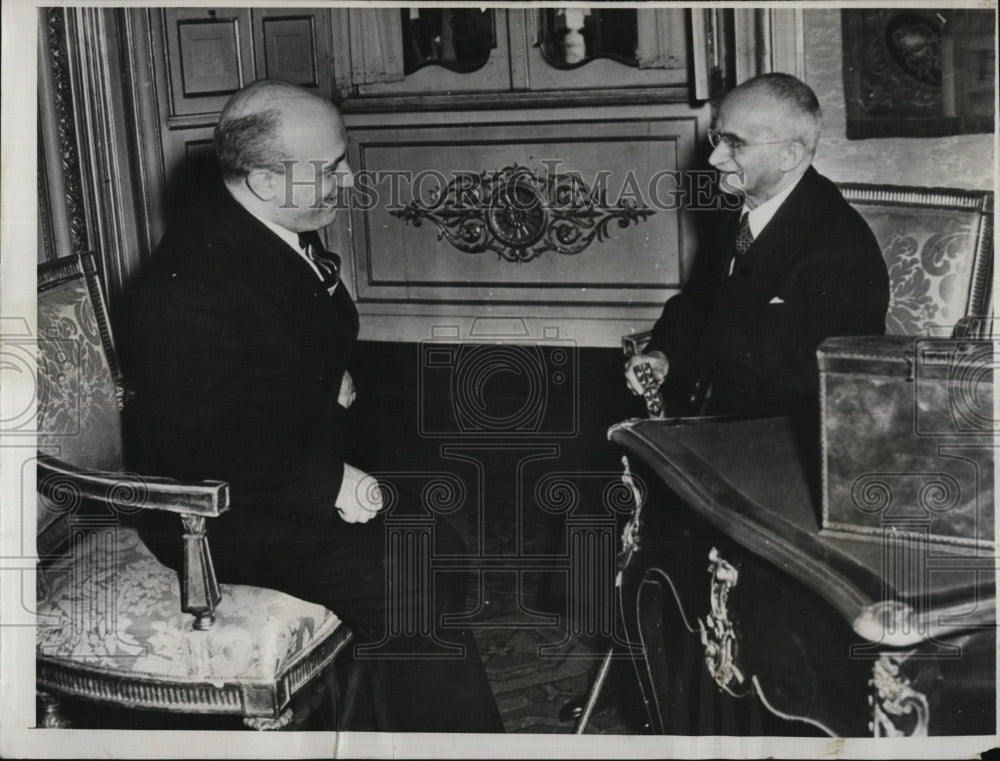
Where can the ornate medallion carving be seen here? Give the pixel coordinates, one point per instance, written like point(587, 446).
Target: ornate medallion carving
point(898, 710)
point(519, 215)
point(718, 635)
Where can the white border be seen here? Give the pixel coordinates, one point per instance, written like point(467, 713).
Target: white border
point(18, 216)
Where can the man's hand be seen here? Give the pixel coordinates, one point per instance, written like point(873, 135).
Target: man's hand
point(345, 398)
point(360, 497)
point(657, 361)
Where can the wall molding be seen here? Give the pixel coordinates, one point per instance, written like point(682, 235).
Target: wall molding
point(61, 197)
point(107, 168)
point(769, 39)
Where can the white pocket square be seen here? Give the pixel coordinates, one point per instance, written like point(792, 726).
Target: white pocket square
point(776, 300)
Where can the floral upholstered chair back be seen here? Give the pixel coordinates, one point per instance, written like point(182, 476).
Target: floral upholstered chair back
point(938, 246)
point(79, 391)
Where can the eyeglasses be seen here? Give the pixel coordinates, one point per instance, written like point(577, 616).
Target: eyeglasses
point(734, 143)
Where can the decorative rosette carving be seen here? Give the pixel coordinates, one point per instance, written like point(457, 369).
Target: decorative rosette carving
point(519, 215)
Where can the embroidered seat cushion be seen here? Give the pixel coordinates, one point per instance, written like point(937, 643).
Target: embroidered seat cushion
point(112, 606)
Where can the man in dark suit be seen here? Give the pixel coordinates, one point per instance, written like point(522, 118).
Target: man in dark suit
point(798, 264)
point(241, 337)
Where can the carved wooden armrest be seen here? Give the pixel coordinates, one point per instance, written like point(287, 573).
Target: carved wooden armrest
point(194, 502)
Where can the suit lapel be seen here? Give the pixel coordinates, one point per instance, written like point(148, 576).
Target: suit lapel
point(781, 241)
point(268, 253)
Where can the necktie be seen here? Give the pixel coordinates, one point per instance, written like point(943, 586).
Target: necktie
point(743, 236)
point(327, 262)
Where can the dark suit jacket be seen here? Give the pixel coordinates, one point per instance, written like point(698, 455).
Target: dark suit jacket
point(820, 259)
point(236, 354)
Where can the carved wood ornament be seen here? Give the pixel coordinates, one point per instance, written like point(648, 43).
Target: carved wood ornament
point(519, 215)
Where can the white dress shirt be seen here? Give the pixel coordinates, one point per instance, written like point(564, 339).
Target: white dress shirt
point(760, 216)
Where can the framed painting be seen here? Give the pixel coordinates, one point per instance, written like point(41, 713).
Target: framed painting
point(918, 72)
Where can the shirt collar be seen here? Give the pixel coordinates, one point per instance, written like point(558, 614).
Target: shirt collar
point(760, 216)
point(292, 239)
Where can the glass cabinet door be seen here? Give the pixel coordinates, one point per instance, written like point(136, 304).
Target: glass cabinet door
point(571, 37)
point(457, 39)
point(450, 50)
point(600, 47)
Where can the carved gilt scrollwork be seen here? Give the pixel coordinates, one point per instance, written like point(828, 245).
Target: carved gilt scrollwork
point(630, 533)
point(57, 57)
point(898, 710)
point(519, 215)
point(718, 635)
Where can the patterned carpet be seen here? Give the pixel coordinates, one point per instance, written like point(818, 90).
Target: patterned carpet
point(531, 685)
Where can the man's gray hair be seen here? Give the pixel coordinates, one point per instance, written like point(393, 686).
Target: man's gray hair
point(802, 112)
point(245, 143)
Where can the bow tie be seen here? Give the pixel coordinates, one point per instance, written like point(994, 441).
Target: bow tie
point(327, 262)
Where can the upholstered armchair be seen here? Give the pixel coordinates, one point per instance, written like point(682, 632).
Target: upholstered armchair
point(938, 246)
point(114, 625)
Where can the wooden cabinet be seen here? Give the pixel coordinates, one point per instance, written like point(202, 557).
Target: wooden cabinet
point(208, 54)
point(293, 45)
point(209, 57)
point(527, 50)
point(548, 64)
point(485, 67)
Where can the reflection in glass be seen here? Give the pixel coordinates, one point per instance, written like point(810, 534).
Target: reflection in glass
point(459, 39)
point(570, 37)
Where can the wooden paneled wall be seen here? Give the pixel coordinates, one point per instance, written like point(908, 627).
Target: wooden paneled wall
point(146, 86)
point(407, 277)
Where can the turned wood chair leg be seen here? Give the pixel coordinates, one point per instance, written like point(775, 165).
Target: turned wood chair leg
point(52, 716)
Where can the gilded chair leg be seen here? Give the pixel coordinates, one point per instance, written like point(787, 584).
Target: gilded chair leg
point(268, 724)
point(52, 717)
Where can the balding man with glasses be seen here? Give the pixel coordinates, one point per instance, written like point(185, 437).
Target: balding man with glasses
point(795, 265)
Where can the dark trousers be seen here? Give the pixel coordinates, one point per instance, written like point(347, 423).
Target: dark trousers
point(346, 568)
